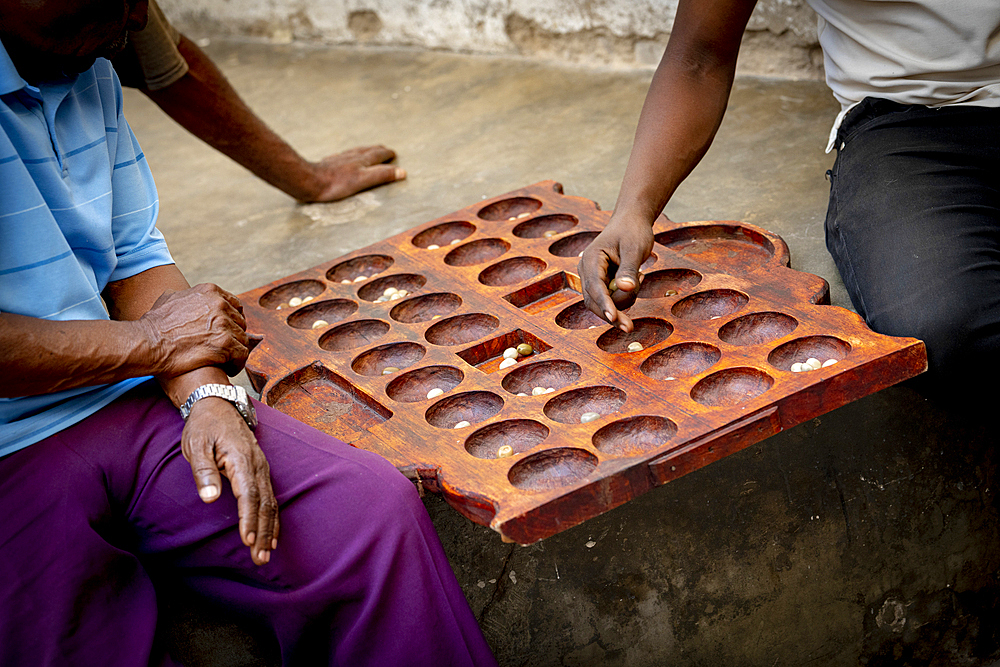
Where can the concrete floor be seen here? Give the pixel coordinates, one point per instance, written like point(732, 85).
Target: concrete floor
point(868, 536)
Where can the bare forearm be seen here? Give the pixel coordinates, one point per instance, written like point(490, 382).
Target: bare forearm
point(205, 103)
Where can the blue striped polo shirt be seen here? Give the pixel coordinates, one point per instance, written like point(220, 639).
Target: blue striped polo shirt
point(77, 211)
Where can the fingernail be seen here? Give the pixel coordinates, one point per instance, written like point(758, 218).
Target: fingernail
point(607, 316)
point(623, 328)
point(263, 556)
point(251, 538)
point(210, 492)
point(400, 174)
point(274, 543)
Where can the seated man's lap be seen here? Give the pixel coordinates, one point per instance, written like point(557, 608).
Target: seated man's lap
point(914, 226)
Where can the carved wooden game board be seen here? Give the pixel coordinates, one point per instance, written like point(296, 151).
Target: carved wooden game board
point(720, 318)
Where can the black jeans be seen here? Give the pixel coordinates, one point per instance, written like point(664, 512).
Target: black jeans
point(914, 227)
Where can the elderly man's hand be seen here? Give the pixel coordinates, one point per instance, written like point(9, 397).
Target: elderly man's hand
point(344, 174)
point(196, 327)
point(217, 439)
point(617, 252)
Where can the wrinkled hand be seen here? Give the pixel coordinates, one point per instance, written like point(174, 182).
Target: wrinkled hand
point(352, 171)
point(217, 439)
point(197, 327)
point(617, 252)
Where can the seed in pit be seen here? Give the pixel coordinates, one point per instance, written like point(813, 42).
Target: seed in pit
point(455, 242)
point(434, 393)
point(435, 317)
point(670, 292)
point(592, 326)
point(360, 278)
point(389, 291)
point(381, 299)
point(389, 370)
point(634, 346)
point(523, 215)
point(513, 217)
point(549, 390)
point(507, 363)
point(587, 417)
point(524, 349)
point(797, 367)
point(521, 393)
point(395, 296)
point(307, 299)
point(613, 285)
point(581, 254)
point(505, 451)
point(814, 363)
point(280, 306)
point(462, 424)
point(295, 301)
point(829, 362)
point(319, 323)
point(670, 378)
point(715, 317)
point(538, 391)
point(510, 353)
point(345, 281)
point(549, 234)
point(402, 292)
point(433, 246)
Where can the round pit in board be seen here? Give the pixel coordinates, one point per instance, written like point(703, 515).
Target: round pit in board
point(667, 283)
point(461, 329)
point(470, 406)
point(647, 332)
point(731, 387)
point(822, 348)
point(443, 234)
point(634, 436)
point(511, 271)
point(477, 252)
point(723, 246)
point(516, 435)
point(426, 308)
point(538, 377)
point(424, 383)
point(392, 355)
point(328, 311)
point(352, 335)
point(300, 289)
point(572, 246)
point(578, 316)
point(359, 269)
point(710, 303)
point(757, 328)
point(505, 209)
point(570, 406)
point(552, 469)
point(545, 226)
point(374, 290)
point(680, 361)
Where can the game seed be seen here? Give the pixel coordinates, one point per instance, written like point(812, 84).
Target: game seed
point(510, 353)
point(389, 370)
point(538, 391)
point(433, 246)
point(587, 417)
point(345, 281)
point(319, 323)
point(634, 346)
point(613, 285)
point(524, 349)
point(814, 363)
point(549, 234)
point(462, 424)
point(523, 215)
point(434, 393)
point(507, 363)
point(360, 278)
point(505, 451)
point(829, 362)
point(455, 242)
point(295, 301)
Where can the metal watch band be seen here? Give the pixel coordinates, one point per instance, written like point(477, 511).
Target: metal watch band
point(235, 395)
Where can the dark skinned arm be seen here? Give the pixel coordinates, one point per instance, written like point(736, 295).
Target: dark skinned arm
point(682, 112)
point(205, 103)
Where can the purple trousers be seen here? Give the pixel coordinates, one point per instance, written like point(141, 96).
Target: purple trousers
point(359, 576)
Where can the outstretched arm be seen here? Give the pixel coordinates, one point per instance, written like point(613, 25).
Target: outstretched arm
point(205, 103)
point(683, 110)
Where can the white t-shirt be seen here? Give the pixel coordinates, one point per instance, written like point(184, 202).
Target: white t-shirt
point(928, 52)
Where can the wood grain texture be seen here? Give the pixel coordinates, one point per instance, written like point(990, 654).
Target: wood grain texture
point(720, 317)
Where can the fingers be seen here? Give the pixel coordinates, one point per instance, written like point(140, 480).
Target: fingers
point(369, 177)
point(377, 154)
point(200, 454)
point(595, 267)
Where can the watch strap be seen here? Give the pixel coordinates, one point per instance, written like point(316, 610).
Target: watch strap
point(235, 395)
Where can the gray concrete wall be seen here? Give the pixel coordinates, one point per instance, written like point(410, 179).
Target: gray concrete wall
point(780, 41)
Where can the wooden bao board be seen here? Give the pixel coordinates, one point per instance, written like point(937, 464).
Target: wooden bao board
point(720, 316)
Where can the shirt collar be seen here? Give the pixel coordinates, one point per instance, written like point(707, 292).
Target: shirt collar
point(10, 80)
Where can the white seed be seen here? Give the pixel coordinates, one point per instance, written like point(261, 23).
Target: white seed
point(505, 451)
point(507, 363)
point(462, 424)
point(634, 346)
point(435, 317)
point(320, 323)
point(581, 254)
point(360, 278)
point(280, 306)
point(434, 393)
point(388, 291)
point(589, 417)
point(403, 292)
point(295, 301)
point(381, 299)
point(538, 391)
point(549, 390)
point(715, 317)
point(510, 353)
point(521, 393)
point(592, 326)
point(815, 363)
point(524, 349)
point(523, 215)
point(797, 367)
point(433, 246)
point(455, 242)
point(345, 281)
point(829, 362)
point(549, 234)
point(395, 296)
point(389, 370)
point(670, 378)
point(307, 299)
point(513, 217)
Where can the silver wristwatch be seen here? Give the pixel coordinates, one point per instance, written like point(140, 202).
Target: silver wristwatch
point(235, 395)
